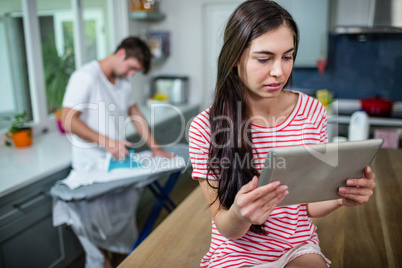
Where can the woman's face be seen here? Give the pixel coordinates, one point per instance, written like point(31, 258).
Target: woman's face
point(266, 64)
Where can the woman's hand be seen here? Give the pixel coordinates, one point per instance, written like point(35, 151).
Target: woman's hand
point(358, 191)
point(254, 204)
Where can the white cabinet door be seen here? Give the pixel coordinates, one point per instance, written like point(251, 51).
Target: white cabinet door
point(311, 17)
point(215, 16)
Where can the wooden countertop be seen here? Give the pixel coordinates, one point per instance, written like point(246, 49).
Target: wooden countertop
point(364, 236)
point(51, 152)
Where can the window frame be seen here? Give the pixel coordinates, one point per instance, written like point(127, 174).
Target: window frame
point(42, 122)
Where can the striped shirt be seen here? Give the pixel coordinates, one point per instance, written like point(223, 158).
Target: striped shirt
point(287, 226)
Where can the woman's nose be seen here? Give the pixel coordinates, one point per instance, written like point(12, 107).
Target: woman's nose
point(276, 68)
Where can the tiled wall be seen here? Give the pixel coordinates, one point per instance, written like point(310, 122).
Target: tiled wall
point(359, 66)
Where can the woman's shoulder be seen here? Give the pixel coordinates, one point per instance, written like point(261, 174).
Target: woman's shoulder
point(308, 104)
point(200, 131)
point(202, 119)
point(200, 126)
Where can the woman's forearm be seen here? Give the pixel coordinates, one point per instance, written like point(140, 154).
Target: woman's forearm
point(230, 225)
point(321, 209)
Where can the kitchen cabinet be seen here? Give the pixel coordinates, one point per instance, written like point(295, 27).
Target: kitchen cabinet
point(27, 235)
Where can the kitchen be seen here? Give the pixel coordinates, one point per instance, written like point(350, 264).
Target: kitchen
point(192, 55)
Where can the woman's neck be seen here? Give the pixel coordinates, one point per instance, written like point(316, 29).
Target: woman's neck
point(272, 112)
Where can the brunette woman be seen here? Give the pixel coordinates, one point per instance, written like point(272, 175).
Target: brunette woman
point(251, 113)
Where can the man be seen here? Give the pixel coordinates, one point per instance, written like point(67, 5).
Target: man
point(97, 101)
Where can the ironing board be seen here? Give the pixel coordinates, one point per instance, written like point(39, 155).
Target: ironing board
point(161, 192)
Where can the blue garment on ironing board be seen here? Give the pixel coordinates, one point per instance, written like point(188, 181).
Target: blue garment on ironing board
point(129, 162)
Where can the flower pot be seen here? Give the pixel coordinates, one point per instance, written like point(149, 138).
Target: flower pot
point(23, 137)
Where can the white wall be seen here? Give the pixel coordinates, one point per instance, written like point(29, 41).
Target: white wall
point(184, 20)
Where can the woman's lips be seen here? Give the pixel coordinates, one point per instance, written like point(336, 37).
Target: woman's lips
point(273, 86)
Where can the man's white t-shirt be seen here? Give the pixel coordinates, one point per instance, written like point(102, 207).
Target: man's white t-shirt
point(103, 106)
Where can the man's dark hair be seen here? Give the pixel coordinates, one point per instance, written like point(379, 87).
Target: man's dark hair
point(138, 49)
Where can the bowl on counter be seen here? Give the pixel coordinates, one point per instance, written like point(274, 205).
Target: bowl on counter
point(377, 106)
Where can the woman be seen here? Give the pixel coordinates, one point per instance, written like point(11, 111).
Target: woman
point(229, 142)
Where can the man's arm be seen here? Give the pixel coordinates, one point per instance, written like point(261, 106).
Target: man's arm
point(144, 131)
point(72, 123)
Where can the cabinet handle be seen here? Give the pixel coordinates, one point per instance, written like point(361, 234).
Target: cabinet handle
point(31, 200)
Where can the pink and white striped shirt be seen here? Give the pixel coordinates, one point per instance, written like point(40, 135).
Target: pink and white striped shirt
point(287, 226)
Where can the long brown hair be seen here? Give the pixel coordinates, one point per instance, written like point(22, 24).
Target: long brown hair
point(229, 114)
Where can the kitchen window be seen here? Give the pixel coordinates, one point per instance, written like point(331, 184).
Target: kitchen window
point(38, 60)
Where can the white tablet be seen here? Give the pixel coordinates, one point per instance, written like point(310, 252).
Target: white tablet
point(315, 172)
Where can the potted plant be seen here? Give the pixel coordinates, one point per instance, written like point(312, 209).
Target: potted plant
point(19, 131)
point(58, 69)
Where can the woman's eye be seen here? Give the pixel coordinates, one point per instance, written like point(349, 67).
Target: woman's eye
point(287, 57)
point(262, 60)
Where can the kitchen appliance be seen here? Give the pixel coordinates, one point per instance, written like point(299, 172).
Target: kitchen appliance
point(377, 106)
point(174, 87)
point(359, 126)
point(378, 17)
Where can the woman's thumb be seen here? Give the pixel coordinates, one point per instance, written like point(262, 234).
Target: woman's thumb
point(251, 185)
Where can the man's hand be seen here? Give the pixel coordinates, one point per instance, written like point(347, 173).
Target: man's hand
point(117, 148)
point(162, 153)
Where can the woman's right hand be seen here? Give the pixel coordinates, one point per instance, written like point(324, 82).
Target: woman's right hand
point(254, 204)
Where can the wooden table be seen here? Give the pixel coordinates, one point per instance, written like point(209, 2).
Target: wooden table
point(364, 236)
point(368, 235)
point(181, 240)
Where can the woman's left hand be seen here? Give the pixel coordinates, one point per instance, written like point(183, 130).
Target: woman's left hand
point(358, 191)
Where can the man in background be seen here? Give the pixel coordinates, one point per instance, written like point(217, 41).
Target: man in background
point(97, 102)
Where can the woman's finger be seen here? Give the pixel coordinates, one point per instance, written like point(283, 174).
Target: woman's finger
point(368, 173)
point(354, 191)
point(362, 183)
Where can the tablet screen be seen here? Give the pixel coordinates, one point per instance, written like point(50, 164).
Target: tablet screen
point(314, 173)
